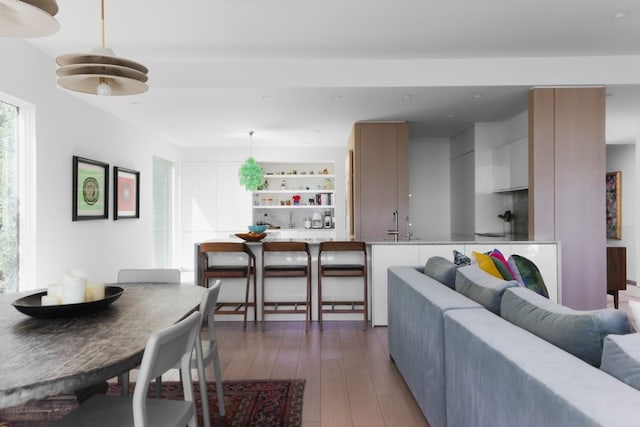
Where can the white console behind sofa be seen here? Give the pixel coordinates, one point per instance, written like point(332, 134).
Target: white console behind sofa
point(386, 254)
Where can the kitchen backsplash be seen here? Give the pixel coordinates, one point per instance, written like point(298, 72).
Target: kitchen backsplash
point(520, 212)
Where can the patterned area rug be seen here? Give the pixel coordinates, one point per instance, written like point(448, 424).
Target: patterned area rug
point(247, 403)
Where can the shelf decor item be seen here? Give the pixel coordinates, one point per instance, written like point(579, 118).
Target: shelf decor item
point(90, 189)
point(251, 174)
point(126, 184)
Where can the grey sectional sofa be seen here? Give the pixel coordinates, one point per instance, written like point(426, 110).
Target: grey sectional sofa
point(468, 366)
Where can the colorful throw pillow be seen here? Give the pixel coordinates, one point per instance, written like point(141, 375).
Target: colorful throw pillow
point(527, 274)
point(496, 254)
point(460, 259)
point(502, 268)
point(486, 264)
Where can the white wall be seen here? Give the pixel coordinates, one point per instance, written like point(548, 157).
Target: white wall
point(623, 158)
point(67, 126)
point(429, 183)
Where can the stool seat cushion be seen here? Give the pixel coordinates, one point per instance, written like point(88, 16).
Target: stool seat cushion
point(285, 267)
point(343, 267)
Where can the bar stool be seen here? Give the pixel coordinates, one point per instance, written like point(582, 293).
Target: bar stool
point(242, 265)
point(329, 266)
point(274, 268)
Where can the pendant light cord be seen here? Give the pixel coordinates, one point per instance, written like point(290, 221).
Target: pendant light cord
point(250, 143)
point(102, 23)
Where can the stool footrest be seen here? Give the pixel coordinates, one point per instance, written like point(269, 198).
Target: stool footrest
point(343, 306)
point(285, 307)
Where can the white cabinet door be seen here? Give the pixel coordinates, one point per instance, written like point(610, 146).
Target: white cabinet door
point(383, 257)
point(519, 163)
point(510, 166)
point(501, 167)
point(233, 207)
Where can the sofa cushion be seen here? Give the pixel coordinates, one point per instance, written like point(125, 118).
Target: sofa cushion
point(486, 264)
point(634, 309)
point(580, 333)
point(621, 358)
point(442, 270)
point(483, 288)
point(527, 274)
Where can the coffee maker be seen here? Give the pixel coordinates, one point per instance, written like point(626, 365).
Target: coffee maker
point(328, 220)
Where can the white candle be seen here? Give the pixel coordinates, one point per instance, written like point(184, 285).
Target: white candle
point(94, 292)
point(55, 291)
point(49, 300)
point(73, 287)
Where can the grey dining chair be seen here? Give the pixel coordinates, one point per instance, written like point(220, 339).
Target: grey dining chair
point(164, 349)
point(146, 275)
point(206, 352)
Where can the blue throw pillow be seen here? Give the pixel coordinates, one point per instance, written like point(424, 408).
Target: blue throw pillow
point(442, 270)
point(579, 332)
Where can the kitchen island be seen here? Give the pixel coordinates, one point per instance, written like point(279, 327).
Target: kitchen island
point(383, 254)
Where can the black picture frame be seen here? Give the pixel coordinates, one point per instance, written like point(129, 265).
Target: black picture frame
point(90, 189)
point(126, 193)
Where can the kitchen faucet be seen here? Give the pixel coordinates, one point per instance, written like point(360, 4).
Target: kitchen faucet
point(396, 231)
point(409, 230)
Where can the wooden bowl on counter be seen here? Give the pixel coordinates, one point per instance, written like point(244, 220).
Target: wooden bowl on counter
point(251, 237)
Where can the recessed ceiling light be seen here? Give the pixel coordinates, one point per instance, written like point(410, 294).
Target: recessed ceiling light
point(407, 97)
point(451, 116)
point(619, 14)
point(265, 97)
point(477, 95)
point(337, 97)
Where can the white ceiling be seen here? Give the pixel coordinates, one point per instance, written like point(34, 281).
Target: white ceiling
point(299, 72)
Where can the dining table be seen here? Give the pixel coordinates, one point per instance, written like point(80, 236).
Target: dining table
point(42, 357)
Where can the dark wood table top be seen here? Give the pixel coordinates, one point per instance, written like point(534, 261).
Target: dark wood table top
point(44, 357)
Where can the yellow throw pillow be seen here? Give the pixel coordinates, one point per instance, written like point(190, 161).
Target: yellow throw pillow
point(486, 264)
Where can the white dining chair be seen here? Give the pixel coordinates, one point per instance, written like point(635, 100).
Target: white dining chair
point(164, 349)
point(206, 352)
point(146, 275)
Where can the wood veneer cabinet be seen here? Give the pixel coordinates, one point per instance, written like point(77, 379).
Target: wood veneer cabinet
point(379, 179)
point(567, 186)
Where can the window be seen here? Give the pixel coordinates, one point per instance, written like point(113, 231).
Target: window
point(162, 212)
point(8, 198)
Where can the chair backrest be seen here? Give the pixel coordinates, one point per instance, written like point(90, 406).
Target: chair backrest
point(149, 275)
point(208, 303)
point(285, 247)
point(164, 350)
point(342, 246)
point(225, 247)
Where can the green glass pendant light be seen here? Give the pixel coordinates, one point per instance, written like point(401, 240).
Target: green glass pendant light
point(251, 174)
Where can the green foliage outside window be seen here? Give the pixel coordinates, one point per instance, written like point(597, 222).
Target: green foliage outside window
point(8, 199)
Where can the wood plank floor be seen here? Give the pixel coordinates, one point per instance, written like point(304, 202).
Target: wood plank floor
point(350, 380)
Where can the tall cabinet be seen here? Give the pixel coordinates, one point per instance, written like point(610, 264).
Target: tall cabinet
point(379, 180)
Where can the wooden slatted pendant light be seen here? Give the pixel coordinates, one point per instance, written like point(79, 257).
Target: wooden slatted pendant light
point(100, 71)
point(28, 18)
